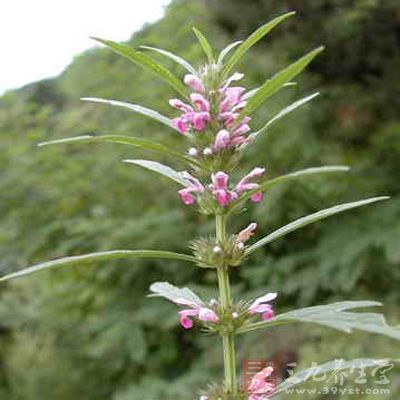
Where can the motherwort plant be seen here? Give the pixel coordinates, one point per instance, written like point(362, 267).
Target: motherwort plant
point(212, 112)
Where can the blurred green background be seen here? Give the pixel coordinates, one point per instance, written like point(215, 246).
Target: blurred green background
point(90, 333)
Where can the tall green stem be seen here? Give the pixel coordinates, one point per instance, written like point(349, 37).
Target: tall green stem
point(228, 342)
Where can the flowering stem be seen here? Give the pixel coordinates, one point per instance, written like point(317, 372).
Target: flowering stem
point(226, 301)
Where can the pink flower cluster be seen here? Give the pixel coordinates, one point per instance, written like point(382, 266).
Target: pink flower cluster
point(262, 387)
point(197, 115)
point(206, 314)
point(232, 102)
point(219, 187)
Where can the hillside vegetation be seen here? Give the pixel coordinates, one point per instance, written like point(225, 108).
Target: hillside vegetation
point(90, 333)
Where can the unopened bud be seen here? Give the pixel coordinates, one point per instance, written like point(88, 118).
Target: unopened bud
point(235, 315)
point(240, 246)
point(192, 152)
point(207, 151)
point(217, 249)
point(245, 234)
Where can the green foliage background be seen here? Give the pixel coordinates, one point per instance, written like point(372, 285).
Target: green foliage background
point(90, 333)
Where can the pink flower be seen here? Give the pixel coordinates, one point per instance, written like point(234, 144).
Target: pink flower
point(232, 97)
point(181, 124)
point(220, 189)
point(185, 321)
point(244, 184)
point(245, 234)
point(196, 311)
point(241, 129)
point(194, 186)
point(194, 82)
point(220, 180)
point(260, 388)
point(180, 105)
point(228, 118)
point(260, 306)
point(200, 102)
point(196, 117)
point(238, 141)
point(222, 140)
point(257, 197)
point(199, 120)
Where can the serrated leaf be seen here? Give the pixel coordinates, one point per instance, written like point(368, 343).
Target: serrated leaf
point(173, 293)
point(282, 113)
point(129, 140)
point(205, 45)
point(310, 219)
point(148, 112)
point(160, 169)
point(252, 40)
point(335, 365)
point(264, 186)
point(335, 316)
point(100, 256)
point(173, 57)
point(146, 62)
point(271, 86)
point(224, 52)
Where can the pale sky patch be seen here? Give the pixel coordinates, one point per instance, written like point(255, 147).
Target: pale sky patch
point(39, 38)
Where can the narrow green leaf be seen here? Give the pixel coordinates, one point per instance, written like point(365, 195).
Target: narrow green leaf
point(252, 92)
point(226, 50)
point(282, 113)
point(205, 44)
point(337, 316)
point(173, 57)
point(148, 112)
point(252, 40)
point(129, 140)
point(160, 169)
point(335, 365)
point(310, 219)
point(264, 186)
point(173, 293)
point(101, 256)
point(146, 62)
point(271, 86)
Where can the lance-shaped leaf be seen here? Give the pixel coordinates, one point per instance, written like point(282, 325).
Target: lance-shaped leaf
point(271, 86)
point(173, 57)
point(205, 45)
point(264, 186)
point(226, 50)
point(252, 92)
point(282, 113)
point(173, 293)
point(336, 365)
point(129, 140)
point(310, 219)
point(146, 62)
point(160, 169)
point(335, 316)
point(100, 256)
point(252, 40)
point(148, 112)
